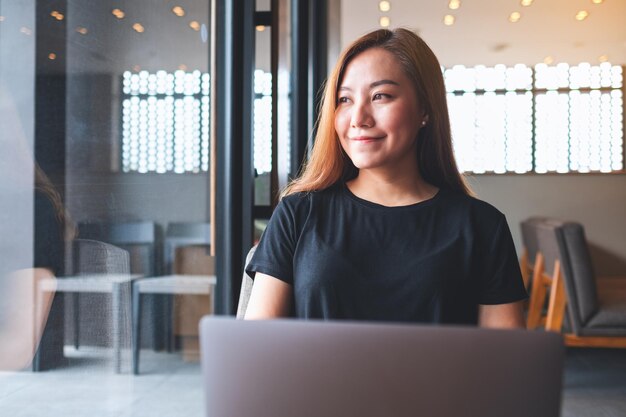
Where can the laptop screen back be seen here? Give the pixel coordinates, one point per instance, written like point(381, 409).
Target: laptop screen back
point(289, 368)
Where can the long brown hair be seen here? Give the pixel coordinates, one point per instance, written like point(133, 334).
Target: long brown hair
point(328, 163)
point(45, 186)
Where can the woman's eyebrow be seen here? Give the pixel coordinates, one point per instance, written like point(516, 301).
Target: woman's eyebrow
point(383, 82)
point(372, 85)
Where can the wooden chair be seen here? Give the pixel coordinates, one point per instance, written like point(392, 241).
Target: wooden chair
point(529, 254)
point(185, 252)
point(595, 309)
point(188, 309)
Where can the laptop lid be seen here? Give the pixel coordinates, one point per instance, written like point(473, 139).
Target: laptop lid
point(290, 368)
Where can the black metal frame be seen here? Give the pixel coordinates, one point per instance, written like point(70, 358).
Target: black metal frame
point(234, 64)
point(309, 51)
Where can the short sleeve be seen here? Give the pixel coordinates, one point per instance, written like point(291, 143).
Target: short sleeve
point(275, 252)
point(500, 276)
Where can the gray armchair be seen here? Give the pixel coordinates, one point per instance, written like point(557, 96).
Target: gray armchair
point(529, 254)
point(100, 268)
point(246, 288)
point(595, 308)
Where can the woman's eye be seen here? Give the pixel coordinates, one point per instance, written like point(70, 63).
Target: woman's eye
point(342, 100)
point(379, 96)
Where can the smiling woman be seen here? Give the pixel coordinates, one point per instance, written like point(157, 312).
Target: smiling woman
point(376, 114)
point(380, 225)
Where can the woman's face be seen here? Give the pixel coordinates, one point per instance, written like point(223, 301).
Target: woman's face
point(378, 115)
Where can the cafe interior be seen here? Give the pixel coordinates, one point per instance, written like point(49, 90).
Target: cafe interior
point(144, 145)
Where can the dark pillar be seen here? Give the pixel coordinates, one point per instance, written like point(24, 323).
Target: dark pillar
point(309, 51)
point(234, 70)
point(50, 99)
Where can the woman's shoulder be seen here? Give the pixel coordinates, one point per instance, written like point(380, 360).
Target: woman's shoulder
point(304, 198)
point(472, 208)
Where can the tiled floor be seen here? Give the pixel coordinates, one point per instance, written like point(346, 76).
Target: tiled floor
point(594, 386)
point(595, 383)
point(88, 387)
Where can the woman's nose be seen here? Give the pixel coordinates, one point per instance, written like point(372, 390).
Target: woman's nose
point(361, 115)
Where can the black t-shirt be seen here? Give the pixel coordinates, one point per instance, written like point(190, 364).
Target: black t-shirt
point(351, 259)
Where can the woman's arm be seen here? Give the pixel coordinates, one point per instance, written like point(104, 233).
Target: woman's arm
point(501, 316)
point(270, 298)
point(27, 307)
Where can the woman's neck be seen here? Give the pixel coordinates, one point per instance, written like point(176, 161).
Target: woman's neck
point(391, 190)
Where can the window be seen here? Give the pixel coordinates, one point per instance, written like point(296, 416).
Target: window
point(548, 119)
point(165, 122)
point(262, 121)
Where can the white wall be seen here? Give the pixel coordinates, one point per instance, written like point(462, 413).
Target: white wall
point(597, 201)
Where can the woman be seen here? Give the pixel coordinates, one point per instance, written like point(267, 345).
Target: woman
point(380, 225)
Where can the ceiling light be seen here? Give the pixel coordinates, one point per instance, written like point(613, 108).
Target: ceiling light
point(384, 6)
point(603, 58)
point(178, 11)
point(52, 56)
point(26, 31)
point(1, 18)
point(454, 4)
point(81, 30)
point(118, 13)
point(384, 22)
point(597, 2)
point(548, 60)
point(138, 28)
point(57, 15)
point(260, 28)
point(526, 3)
point(194, 25)
point(448, 20)
point(515, 17)
point(582, 15)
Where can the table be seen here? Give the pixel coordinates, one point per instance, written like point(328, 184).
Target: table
point(118, 285)
point(167, 285)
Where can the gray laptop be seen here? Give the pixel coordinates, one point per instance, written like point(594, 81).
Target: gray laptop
point(289, 368)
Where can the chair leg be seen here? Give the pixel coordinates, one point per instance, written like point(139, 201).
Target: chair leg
point(558, 299)
point(158, 301)
point(136, 323)
point(537, 294)
point(116, 306)
point(169, 323)
point(524, 266)
point(76, 318)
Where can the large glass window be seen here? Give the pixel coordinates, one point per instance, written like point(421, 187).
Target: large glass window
point(96, 99)
point(544, 119)
point(165, 122)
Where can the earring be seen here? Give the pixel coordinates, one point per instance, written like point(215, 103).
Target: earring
point(423, 123)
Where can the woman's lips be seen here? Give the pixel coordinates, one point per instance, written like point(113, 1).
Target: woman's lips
point(366, 138)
